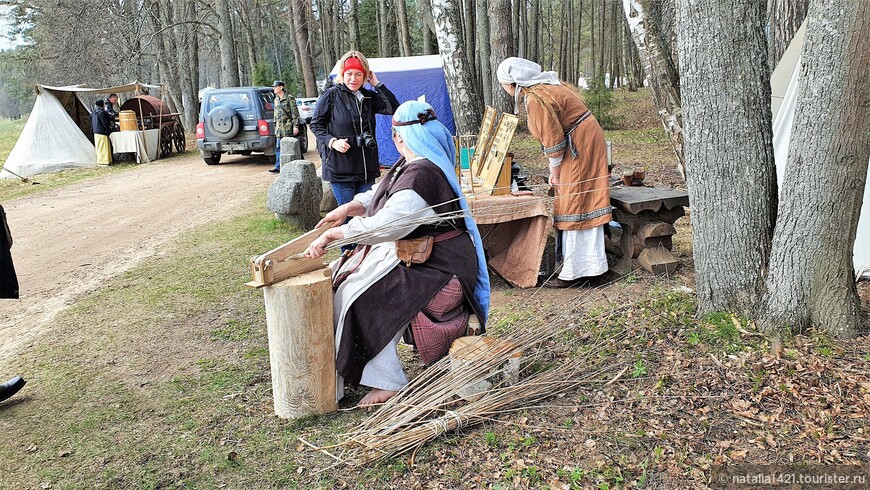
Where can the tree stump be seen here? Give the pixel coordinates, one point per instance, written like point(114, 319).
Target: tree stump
point(301, 344)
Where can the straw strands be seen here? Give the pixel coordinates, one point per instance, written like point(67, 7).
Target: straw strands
point(417, 218)
point(429, 406)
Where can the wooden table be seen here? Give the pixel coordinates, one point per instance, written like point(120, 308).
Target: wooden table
point(647, 216)
point(145, 144)
point(514, 231)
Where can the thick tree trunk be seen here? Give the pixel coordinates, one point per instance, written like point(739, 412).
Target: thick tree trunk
point(785, 18)
point(811, 279)
point(501, 47)
point(661, 71)
point(728, 149)
point(467, 110)
point(383, 46)
point(535, 30)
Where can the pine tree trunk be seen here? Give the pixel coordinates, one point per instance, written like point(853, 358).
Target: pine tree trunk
point(728, 148)
point(501, 47)
point(484, 67)
point(306, 61)
point(404, 35)
point(229, 65)
point(353, 25)
point(785, 17)
point(424, 10)
point(467, 110)
point(811, 280)
point(661, 71)
point(535, 30)
point(338, 39)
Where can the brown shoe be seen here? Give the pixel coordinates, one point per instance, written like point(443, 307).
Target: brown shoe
point(561, 283)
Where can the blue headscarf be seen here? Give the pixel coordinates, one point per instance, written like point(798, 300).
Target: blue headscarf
point(433, 141)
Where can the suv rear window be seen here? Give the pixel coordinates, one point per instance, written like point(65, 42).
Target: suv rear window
point(267, 98)
point(240, 101)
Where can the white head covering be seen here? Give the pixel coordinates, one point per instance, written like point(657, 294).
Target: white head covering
point(525, 73)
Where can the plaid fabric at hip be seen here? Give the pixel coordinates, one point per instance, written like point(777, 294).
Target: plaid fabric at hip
point(442, 321)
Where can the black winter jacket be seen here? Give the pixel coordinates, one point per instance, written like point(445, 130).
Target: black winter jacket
point(101, 122)
point(340, 115)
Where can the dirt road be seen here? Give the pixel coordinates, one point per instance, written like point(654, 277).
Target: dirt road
point(69, 240)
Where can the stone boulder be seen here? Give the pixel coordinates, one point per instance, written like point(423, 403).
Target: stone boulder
point(328, 202)
point(290, 150)
point(296, 193)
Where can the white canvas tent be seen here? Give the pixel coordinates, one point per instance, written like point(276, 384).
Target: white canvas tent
point(785, 86)
point(58, 133)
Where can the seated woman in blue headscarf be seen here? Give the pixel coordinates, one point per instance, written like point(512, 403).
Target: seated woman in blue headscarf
point(379, 298)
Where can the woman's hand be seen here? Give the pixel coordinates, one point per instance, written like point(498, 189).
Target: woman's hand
point(317, 248)
point(554, 181)
point(341, 145)
point(335, 217)
point(373, 79)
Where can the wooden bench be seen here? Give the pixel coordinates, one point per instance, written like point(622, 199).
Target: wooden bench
point(647, 216)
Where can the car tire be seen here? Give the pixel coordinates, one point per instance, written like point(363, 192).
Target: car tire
point(223, 122)
point(214, 159)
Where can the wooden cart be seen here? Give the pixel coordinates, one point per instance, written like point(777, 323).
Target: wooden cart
point(153, 113)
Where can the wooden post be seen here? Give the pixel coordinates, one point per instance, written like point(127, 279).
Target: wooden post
point(301, 344)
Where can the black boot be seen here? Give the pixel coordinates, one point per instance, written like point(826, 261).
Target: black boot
point(11, 387)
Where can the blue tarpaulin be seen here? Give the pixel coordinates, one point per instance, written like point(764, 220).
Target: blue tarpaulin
point(409, 78)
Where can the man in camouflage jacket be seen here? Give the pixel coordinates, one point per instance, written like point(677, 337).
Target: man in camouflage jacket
point(286, 120)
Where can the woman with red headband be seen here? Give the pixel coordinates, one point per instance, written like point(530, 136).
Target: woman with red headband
point(344, 124)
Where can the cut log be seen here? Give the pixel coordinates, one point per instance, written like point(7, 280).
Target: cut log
point(658, 260)
point(301, 344)
point(467, 354)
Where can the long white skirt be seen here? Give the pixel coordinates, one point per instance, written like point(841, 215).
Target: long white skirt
point(583, 253)
point(385, 371)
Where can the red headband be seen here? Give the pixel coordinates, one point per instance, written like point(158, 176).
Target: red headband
point(353, 63)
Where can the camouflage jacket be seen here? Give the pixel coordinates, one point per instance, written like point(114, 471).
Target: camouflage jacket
point(286, 115)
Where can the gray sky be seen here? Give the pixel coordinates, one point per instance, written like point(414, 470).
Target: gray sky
point(5, 28)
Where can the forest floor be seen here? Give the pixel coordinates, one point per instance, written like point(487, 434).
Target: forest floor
point(152, 370)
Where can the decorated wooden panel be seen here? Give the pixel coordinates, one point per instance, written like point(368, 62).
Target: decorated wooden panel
point(494, 163)
point(484, 139)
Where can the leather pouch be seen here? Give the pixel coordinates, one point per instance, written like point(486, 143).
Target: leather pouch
point(415, 250)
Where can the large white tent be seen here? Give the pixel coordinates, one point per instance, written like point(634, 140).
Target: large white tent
point(785, 86)
point(58, 133)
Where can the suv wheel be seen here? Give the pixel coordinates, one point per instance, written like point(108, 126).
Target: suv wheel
point(214, 159)
point(223, 122)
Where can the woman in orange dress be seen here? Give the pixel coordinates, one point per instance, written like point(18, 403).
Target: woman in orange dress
point(574, 143)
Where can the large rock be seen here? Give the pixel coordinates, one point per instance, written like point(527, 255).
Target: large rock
point(295, 195)
point(328, 202)
point(290, 150)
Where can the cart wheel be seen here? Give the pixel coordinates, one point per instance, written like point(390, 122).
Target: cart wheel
point(165, 141)
point(178, 137)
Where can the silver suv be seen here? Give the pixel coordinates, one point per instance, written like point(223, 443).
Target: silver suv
point(239, 120)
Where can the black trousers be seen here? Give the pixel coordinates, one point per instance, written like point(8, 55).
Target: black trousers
point(8, 279)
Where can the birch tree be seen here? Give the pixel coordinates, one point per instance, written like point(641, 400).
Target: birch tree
point(661, 72)
point(467, 110)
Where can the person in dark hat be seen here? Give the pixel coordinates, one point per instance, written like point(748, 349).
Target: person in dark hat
point(8, 290)
point(286, 119)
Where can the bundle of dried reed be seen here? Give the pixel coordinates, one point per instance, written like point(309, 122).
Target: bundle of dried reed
point(431, 405)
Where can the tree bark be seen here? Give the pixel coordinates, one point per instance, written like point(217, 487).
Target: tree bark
point(501, 47)
point(467, 110)
point(728, 148)
point(424, 9)
point(353, 24)
point(404, 34)
point(785, 18)
point(306, 58)
point(484, 67)
point(661, 71)
point(811, 279)
point(229, 64)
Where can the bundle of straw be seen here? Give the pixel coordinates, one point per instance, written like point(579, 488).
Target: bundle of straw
point(429, 406)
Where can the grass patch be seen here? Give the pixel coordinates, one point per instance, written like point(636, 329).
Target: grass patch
point(161, 380)
point(9, 131)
